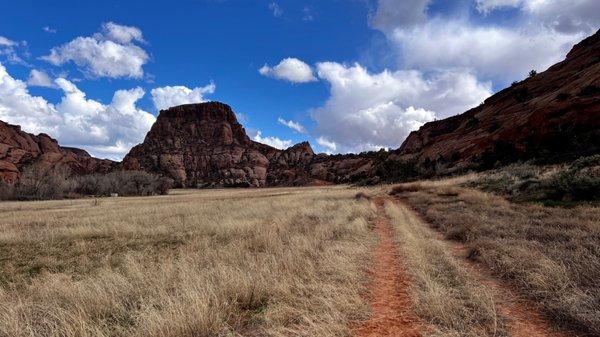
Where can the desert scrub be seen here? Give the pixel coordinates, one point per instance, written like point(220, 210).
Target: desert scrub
point(581, 181)
point(551, 255)
point(564, 184)
point(274, 262)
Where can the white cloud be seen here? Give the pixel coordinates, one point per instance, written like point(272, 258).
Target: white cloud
point(5, 42)
point(492, 52)
point(565, 16)
point(292, 125)
point(369, 111)
point(327, 144)
point(548, 29)
point(49, 29)
point(8, 49)
point(272, 141)
point(106, 130)
point(39, 78)
point(276, 9)
point(289, 69)
point(121, 34)
point(391, 14)
point(110, 53)
point(169, 96)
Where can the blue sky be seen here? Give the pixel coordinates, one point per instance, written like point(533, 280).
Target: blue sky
point(346, 75)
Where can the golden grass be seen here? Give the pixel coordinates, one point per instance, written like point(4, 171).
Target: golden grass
point(551, 255)
point(276, 262)
point(444, 293)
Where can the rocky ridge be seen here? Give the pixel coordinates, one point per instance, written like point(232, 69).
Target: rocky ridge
point(551, 116)
point(19, 149)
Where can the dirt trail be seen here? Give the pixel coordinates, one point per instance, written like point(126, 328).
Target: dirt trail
point(390, 302)
point(524, 319)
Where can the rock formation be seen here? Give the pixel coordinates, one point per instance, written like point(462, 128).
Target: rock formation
point(203, 145)
point(19, 150)
point(551, 116)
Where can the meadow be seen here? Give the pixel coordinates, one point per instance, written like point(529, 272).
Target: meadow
point(277, 262)
point(300, 262)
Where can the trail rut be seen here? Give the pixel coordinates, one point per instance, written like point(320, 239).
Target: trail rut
point(389, 298)
point(524, 320)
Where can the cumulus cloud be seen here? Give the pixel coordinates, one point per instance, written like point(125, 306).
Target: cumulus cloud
point(275, 142)
point(289, 69)
point(541, 38)
point(121, 34)
point(106, 130)
point(110, 53)
point(8, 49)
point(327, 144)
point(564, 16)
point(492, 52)
point(368, 111)
point(166, 97)
point(292, 125)
point(39, 78)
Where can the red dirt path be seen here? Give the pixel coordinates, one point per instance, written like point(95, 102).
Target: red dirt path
point(390, 302)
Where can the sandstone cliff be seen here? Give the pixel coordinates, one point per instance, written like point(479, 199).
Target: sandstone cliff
point(19, 149)
point(551, 116)
point(203, 145)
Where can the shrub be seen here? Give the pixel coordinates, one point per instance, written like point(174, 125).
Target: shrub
point(532, 73)
point(522, 95)
point(397, 170)
point(589, 90)
point(37, 183)
point(580, 182)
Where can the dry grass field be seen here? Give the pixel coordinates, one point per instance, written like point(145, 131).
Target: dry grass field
point(298, 262)
point(276, 262)
point(549, 254)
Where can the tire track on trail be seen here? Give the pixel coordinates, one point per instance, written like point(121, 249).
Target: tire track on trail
point(388, 292)
point(524, 319)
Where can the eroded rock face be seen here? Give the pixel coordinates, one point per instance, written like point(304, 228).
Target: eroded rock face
point(203, 145)
point(552, 116)
point(19, 149)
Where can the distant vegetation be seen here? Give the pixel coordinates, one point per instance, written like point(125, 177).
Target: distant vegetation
point(39, 184)
point(552, 185)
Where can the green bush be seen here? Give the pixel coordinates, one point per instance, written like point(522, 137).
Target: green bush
point(397, 170)
point(581, 181)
